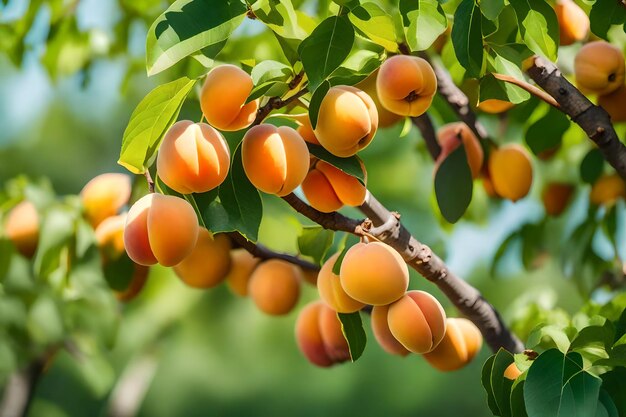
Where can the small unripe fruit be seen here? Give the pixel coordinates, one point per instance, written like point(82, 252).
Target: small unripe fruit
point(384, 337)
point(451, 136)
point(599, 68)
point(512, 372)
point(460, 344)
point(511, 171)
point(495, 106)
point(573, 22)
point(242, 265)
point(607, 190)
point(614, 105)
point(209, 262)
point(556, 197)
point(385, 117)
point(22, 228)
point(104, 196)
point(275, 287)
point(331, 291)
point(328, 188)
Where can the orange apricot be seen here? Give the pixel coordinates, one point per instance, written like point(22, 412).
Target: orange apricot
point(223, 98)
point(460, 344)
point(607, 189)
point(305, 129)
point(511, 171)
point(193, 158)
point(384, 337)
point(328, 188)
point(417, 321)
point(450, 136)
point(599, 68)
point(104, 196)
point(334, 340)
point(495, 106)
point(22, 228)
point(242, 265)
point(275, 286)
point(309, 335)
point(406, 85)
point(614, 104)
point(512, 372)
point(275, 159)
point(374, 273)
point(160, 228)
point(573, 22)
point(331, 291)
point(385, 117)
point(209, 262)
point(556, 196)
point(347, 121)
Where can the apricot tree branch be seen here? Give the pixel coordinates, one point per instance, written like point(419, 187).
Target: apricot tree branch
point(594, 120)
point(425, 126)
point(20, 388)
point(276, 103)
point(332, 221)
point(149, 181)
point(528, 87)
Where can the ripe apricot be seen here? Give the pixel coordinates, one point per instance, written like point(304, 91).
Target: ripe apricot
point(275, 159)
point(573, 22)
point(556, 196)
point(347, 121)
point(334, 340)
point(450, 136)
point(275, 286)
point(511, 171)
point(384, 337)
point(22, 228)
point(406, 85)
point(460, 344)
point(374, 273)
point(104, 196)
point(385, 117)
point(242, 265)
point(512, 372)
point(418, 321)
point(309, 335)
point(328, 188)
point(607, 189)
point(613, 103)
point(495, 106)
point(599, 68)
point(193, 157)
point(209, 262)
point(305, 129)
point(331, 291)
point(223, 98)
point(160, 228)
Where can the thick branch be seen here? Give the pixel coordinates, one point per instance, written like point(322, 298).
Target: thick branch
point(20, 389)
point(594, 120)
point(425, 125)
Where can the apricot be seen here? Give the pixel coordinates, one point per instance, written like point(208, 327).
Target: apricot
point(160, 228)
point(512, 372)
point(495, 106)
point(305, 129)
point(450, 136)
point(334, 340)
point(328, 188)
point(104, 196)
point(613, 103)
point(347, 121)
point(242, 265)
point(417, 321)
point(599, 68)
point(22, 228)
point(511, 171)
point(223, 98)
point(406, 85)
point(607, 189)
point(331, 291)
point(374, 273)
point(209, 262)
point(573, 22)
point(556, 196)
point(384, 337)
point(459, 346)
point(193, 158)
point(275, 286)
point(309, 335)
point(275, 159)
point(385, 117)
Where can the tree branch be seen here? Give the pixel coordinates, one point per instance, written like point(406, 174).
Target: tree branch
point(20, 389)
point(425, 126)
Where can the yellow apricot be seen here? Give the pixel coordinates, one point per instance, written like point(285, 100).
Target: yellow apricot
point(459, 346)
point(22, 228)
point(209, 262)
point(242, 265)
point(193, 158)
point(275, 159)
point(331, 291)
point(223, 98)
point(328, 188)
point(512, 372)
point(607, 189)
point(309, 336)
point(573, 22)
point(385, 117)
point(384, 337)
point(614, 105)
point(418, 321)
point(406, 85)
point(599, 68)
point(347, 121)
point(104, 196)
point(160, 228)
point(450, 136)
point(305, 129)
point(275, 286)
point(511, 171)
point(495, 106)
point(556, 196)
point(334, 340)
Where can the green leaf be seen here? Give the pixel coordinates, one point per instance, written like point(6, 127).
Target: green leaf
point(150, 120)
point(601, 336)
point(592, 166)
point(518, 408)
point(346, 243)
point(189, 26)
point(315, 241)
point(547, 132)
point(56, 232)
point(356, 68)
point(269, 70)
point(270, 89)
point(424, 21)
point(316, 102)
point(604, 14)
point(552, 334)
point(352, 328)
point(453, 185)
point(281, 17)
point(491, 8)
point(467, 37)
point(606, 406)
point(614, 382)
point(375, 24)
point(326, 48)
point(534, 17)
point(500, 385)
point(45, 323)
point(119, 272)
point(351, 165)
point(486, 383)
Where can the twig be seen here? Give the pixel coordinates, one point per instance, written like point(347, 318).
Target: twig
point(20, 389)
point(425, 126)
point(149, 180)
point(528, 87)
point(276, 103)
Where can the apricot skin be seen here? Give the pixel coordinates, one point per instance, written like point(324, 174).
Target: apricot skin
point(374, 273)
point(223, 98)
point(613, 103)
point(275, 287)
point(512, 372)
point(347, 121)
point(385, 117)
point(331, 291)
point(334, 341)
point(384, 337)
point(22, 228)
point(607, 189)
point(459, 346)
point(573, 22)
point(556, 197)
point(275, 159)
point(328, 188)
point(406, 85)
point(104, 196)
point(451, 136)
point(305, 129)
point(309, 336)
point(242, 265)
point(511, 171)
point(599, 68)
point(193, 158)
point(417, 321)
point(209, 262)
point(495, 106)
point(160, 228)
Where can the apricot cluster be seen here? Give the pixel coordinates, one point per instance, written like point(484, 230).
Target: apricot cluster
point(328, 188)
